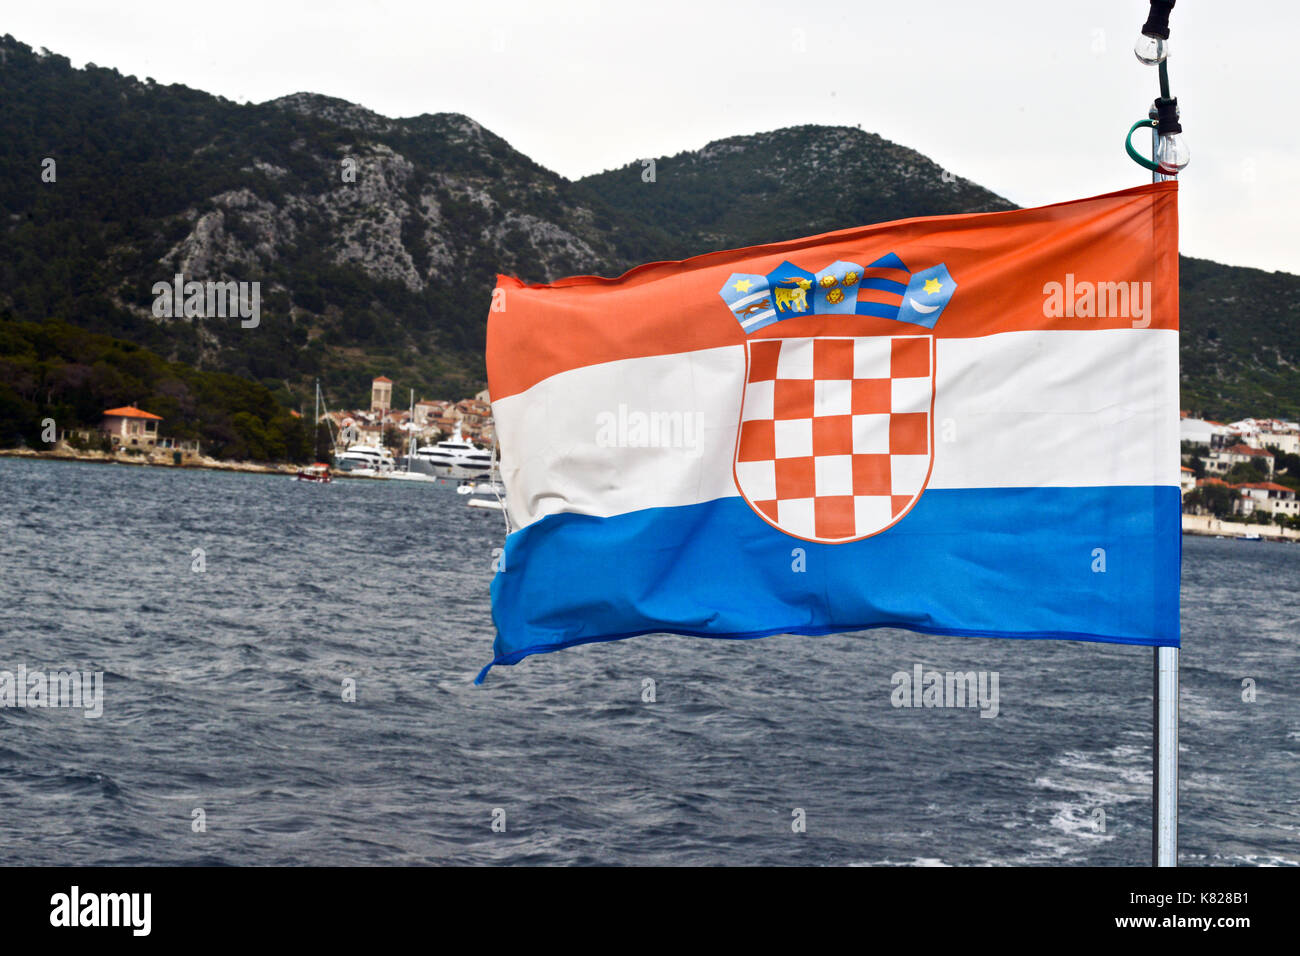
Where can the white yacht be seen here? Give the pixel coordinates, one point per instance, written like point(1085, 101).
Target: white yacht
point(371, 458)
point(456, 457)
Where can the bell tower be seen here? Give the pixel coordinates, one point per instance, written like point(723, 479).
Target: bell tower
point(381, 394)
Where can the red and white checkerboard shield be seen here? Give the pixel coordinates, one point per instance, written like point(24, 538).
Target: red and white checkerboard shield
point(836, 434)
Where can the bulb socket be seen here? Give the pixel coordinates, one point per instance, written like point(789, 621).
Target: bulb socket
point(1157, 24)
point(1167, 116)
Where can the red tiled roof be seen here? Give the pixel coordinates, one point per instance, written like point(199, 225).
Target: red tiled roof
point(382, 379)
point(130, 411)
point(1247, 450)
point(1264, 486)
point(1210, 481)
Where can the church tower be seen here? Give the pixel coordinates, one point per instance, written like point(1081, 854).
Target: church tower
point(381, 394)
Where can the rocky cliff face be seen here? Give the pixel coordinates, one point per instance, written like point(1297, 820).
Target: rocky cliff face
point(390, 212)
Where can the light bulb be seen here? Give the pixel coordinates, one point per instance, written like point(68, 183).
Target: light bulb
point(1172, 154)
point(1151, 50)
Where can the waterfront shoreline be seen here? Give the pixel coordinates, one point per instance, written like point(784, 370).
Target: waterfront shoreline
point(201, 463)
point(1202, 525)
point(190, 464)
point(1212, 527)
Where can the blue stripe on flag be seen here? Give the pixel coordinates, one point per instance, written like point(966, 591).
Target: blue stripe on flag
point(878, 309)
point(884, 285)
point(1003, 562)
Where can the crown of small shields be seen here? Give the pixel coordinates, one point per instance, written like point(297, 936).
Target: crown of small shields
point(885, 288)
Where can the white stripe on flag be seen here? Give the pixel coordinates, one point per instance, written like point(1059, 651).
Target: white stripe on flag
point(1017, 409)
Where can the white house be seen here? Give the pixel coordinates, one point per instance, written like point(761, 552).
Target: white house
point(1200, 432)
point(1220, 461)
point(1268, 496)
point(1269, 432)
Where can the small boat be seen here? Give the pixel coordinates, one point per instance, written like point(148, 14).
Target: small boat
point(480, 488)
point(409, 476)
point(491, 504)
point(319, 472)
point(1250, 537)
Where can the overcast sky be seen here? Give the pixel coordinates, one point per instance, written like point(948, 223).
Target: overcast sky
point(1030, 99)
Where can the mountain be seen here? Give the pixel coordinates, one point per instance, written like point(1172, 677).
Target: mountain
point(799, 181)
point(385, 272)
point(1239, 347)
point(376, 240)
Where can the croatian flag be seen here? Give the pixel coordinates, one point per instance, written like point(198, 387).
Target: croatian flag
point(961, 425)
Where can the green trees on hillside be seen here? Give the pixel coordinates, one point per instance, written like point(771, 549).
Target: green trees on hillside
point(55, 370)
point(1240, 341)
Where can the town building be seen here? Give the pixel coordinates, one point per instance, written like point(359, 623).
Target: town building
point(381, 394)
point(1269, 433)
point(428, 421)
point(1268, 496)
point(428, 412)
point(1221, 460)
point(473, 414)
point(131, 427)
point(1199, 431)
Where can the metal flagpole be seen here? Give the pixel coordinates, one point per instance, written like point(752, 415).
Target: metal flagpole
point(1164, 798)
point(1164, 736)
point(1168, 157)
